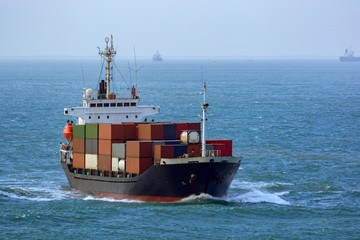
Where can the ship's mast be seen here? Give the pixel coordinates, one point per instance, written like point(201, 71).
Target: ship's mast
point(204, 107)
point(108, 54)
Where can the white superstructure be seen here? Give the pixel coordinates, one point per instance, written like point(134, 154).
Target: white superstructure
point(104, 107)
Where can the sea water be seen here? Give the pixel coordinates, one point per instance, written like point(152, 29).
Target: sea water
point(295, 123)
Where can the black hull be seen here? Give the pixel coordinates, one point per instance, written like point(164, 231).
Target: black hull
point(165, 183)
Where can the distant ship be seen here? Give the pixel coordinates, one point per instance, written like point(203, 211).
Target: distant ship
point(349, 56)
point(157, 57)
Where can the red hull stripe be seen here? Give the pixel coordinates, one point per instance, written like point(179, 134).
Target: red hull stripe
point(139, 198)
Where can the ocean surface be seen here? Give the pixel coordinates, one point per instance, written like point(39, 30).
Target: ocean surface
point(295, 123)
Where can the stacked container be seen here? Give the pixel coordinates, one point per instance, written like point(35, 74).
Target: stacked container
point(138, 156)
point(91, 146)
point(79, 146)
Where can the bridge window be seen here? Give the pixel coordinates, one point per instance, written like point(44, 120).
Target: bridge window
point(92, 105)
point(113, 105)
point(98, 117)
point(99, 105)
point(89, 117)
point(106, 104)
point(135, 116)
point(107, 117)
point(127, 116)
point(119, 104)
point(126, 104)
point(133, 104)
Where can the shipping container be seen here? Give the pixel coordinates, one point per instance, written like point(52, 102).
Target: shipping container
point(194, 126)
point(139, 149)
point(78, 160)
point(92, 130)
point(122, 164)
point(91, 146)
point(163, 151)
point(105, 162)
point(79, 145)
point(172, 142)
point(138, 165)
point(150, 131)
point(91, 161)
point(179, 128)
point(105, 147)
point(179, 150)
point(220, 150)
point(170, 131)
point(228, 144)
point(117, 131)
point(194, 150)
point(118, 150)
point(114, 164)
point(79, 131)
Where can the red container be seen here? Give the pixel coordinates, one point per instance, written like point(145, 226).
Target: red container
point(104, 162)
point(228, 144)
point(79, 145)
point(179, 128)
point(152, 131)
point(78, 160)
point(194, 150)
point(163, 151)
point(220, 150)
point(139, 149)
point(194, 126)
point(138, 165)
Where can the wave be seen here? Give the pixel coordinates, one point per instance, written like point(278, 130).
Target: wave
point(257, 192)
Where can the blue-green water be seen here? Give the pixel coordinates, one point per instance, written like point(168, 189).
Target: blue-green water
point(296, 123)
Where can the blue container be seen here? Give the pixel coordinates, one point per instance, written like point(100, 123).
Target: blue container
point(179, 150)
point(172, 142)
point(170, 131)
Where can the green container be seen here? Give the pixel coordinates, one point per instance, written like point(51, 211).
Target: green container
point(79, 131)
point(92, 130)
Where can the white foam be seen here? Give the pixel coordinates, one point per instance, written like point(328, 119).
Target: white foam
point(257, 196)
point(105, 199)
point(202, 196)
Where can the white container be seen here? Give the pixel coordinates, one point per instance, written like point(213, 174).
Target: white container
point(118, 150)
point(190, 136)
point(122, 164)
point(114, 164)
point(91, 161)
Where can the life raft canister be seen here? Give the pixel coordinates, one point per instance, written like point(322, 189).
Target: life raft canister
point(68, 132)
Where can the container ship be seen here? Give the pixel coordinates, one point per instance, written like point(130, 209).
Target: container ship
point(157, 57)
point(112, 151)
point(349, 56)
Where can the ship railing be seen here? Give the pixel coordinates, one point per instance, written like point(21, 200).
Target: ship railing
point(212, 153)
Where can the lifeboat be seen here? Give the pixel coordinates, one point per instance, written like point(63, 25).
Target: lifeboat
point(68, 131)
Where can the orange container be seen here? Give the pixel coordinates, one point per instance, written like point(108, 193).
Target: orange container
point(105, 147)
point(79, 145)
point(152, 131)
point(117, 131)
point(139, 149)
point(78, 160)
point(194, 150)
point(105, 162)
point(138, 165)
point(163, 151)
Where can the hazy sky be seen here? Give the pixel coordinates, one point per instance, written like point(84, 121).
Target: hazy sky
point(184, 28)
